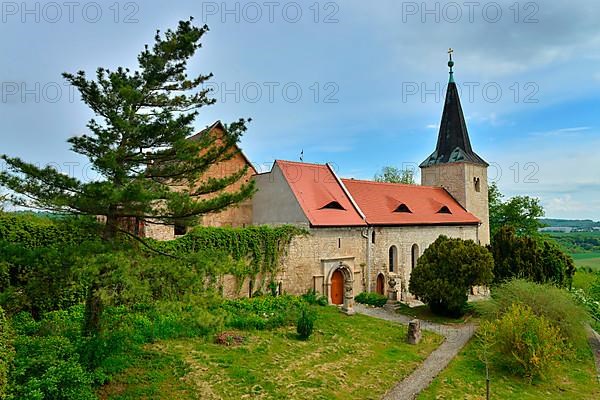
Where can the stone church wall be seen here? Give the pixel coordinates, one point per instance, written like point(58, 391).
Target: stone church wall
point(404, 238)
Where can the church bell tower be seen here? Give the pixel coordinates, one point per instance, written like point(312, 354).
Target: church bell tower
point(455, 166)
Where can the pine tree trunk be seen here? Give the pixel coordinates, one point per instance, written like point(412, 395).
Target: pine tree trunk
point(93, 311)
point(93, 302)
point(111, 227)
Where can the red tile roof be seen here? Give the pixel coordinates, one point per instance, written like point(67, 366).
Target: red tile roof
point(316, 186)
point(378, 201)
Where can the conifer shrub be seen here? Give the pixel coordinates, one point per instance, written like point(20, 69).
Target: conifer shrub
point(306, 322)
point(447, 270)
point(524, 343)
point(537, 259)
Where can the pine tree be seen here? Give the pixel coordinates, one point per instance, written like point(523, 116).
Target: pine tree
point(148, 170)
point(138, 145)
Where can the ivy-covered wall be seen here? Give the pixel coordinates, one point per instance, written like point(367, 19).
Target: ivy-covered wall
point(260, 246)
point(32, 231)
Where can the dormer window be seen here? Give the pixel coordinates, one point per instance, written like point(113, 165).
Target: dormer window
point(402, 208)
point(444, 210)
point(334, 205)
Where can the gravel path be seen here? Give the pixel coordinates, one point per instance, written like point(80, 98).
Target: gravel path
point(455, 338)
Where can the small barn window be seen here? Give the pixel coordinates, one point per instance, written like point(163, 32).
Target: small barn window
point(393, 259)
point(477, 183)
point(334, 205)
point(179, 230)
point(402, 208)
point(250, 288)
point(444, 210)
point(339, 243)
point(373, 237)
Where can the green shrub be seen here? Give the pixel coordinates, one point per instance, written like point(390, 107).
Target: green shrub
point(47, 363)
point(447, 270)
point(7, 352)
point(313, 298)
point(266, 312)
point(306, 321)
point(523, 342)
point(548, 301)
point(591, 304)
point(371, 298)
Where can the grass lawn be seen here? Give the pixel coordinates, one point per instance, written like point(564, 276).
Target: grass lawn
point(356, 357)
point(465, 379)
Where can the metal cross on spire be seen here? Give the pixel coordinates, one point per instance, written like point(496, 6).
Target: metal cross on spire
point(451, 64)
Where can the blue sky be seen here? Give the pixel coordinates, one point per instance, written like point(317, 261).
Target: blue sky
point(371, 75)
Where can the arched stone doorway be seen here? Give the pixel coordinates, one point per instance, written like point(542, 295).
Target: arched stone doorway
point(340, 284)
point(337, 287)
point(380, 284)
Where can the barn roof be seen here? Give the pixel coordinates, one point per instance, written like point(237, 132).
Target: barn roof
point(218, 124)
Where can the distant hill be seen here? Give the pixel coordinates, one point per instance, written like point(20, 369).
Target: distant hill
point(586, 224)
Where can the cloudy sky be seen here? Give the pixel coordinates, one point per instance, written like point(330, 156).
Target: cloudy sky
point(358, 84)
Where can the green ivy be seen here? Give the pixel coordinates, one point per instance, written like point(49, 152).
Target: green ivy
point(32, 231)
point(260, 246)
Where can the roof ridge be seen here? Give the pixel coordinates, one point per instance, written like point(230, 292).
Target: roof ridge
point(300, 163)
point(412, 185)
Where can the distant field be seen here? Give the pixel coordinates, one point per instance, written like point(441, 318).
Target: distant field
point(587, 260)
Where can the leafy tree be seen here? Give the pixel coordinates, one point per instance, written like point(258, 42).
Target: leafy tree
point(447, 270)
point(3, 200)
point(7, 352)
point(537, 259)
point(395, 175)
point(148, 171)
point(139, 148)
point(520, 212)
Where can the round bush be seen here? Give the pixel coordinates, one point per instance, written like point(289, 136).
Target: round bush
point(447, 270)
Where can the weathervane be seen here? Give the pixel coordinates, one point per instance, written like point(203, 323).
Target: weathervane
point(451, 64)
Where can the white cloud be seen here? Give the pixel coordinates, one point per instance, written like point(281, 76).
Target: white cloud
point(575, 131)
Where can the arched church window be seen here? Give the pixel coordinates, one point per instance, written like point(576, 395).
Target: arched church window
point(414, 255)
point(393, 259)
point(477, 183)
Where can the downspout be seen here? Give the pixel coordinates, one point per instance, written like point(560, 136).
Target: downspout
point(364, 218)
point(367, 234)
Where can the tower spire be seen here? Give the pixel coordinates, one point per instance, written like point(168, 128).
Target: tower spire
point(453, 143)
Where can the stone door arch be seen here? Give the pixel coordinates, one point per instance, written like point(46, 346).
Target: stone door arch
point(341, 278)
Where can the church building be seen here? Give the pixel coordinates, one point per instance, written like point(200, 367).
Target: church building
point(365, 235)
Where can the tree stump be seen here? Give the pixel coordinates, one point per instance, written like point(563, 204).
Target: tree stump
point(414, 332)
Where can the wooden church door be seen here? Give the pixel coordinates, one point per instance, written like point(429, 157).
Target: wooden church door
point(380, 284)
point(337, 287)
